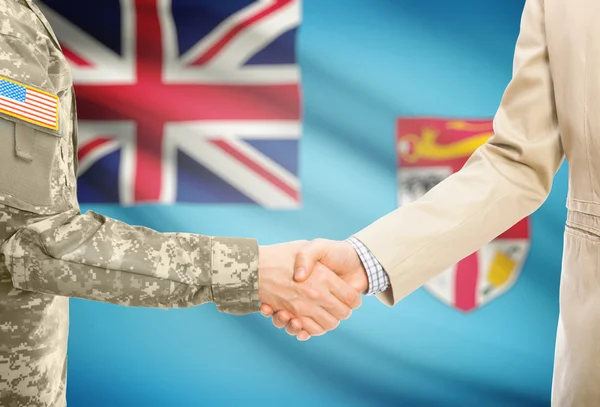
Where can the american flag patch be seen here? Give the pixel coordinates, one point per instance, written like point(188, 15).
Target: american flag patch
point(28, 104)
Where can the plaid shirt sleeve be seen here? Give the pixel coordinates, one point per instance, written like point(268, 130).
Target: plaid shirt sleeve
point(378, 278)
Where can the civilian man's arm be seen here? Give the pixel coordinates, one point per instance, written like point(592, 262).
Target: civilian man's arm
point(505, 180)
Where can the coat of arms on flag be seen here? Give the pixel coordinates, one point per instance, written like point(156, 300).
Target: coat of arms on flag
point(429, 150)
point(184, 100)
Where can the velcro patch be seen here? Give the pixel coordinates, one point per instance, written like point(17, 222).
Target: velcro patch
point(29, 104)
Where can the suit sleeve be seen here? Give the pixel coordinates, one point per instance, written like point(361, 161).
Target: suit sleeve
point(94, 257)
point(505, 180)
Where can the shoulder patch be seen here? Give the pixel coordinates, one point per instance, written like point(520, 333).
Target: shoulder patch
point(29, 104)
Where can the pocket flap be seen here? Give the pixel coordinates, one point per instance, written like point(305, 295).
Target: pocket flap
point(24, 141)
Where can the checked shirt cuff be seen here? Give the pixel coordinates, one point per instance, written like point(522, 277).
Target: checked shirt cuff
point(378, 278)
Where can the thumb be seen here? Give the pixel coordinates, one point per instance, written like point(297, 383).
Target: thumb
point(307, 257)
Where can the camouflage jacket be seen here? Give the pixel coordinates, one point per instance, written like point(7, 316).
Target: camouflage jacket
point(51, 251)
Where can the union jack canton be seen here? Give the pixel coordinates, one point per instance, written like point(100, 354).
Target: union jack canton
point(184, 100)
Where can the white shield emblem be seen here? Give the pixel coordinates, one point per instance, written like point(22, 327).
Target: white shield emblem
point(430, 150)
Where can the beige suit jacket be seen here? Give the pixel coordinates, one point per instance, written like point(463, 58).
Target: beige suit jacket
point(550, 109)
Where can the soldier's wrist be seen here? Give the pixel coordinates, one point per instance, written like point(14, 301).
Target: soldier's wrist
point(234, 274)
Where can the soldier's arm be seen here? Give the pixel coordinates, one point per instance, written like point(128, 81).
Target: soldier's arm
point(94, 257)
point(50, 246)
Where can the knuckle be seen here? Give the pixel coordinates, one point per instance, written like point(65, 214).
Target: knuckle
point(320, 279)
point(319, 241)
point(331, 325)
point(305, 248)
point(298, 306)
point(302, 255)
point(313, 294)
point(319, 332)
point(358, 302)
point(314, 330)
point(350, 297)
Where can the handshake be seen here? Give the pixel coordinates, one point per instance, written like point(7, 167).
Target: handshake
point(309, 287)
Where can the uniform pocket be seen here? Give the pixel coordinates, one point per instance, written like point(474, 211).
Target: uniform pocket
point(28, 161)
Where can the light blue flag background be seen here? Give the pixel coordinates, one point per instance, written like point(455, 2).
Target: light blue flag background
point(364, 64)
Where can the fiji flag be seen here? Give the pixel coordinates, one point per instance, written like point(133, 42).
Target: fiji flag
point(184, 100)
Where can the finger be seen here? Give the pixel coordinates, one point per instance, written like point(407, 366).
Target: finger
point(281, 318)
point(345, 293)
point(294, 327)
point(335, 308)
point(323, 318)
point(340, 300)
point(307, 257)
point(266, 310)
point(303, 336)
point(311, 327)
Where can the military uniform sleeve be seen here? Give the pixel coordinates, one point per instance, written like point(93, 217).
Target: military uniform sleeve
point(53, 248)
point(94, 257)
point(505, 180)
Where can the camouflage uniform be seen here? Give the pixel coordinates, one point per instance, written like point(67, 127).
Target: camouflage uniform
point(50, 251)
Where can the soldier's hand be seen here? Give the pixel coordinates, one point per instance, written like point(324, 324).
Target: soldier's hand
point(317, 304)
